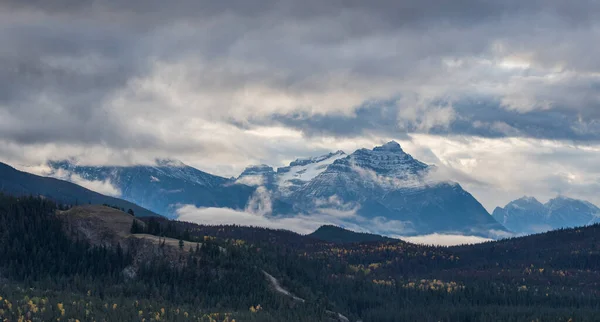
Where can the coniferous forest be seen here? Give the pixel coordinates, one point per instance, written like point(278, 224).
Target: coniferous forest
point(163, 270)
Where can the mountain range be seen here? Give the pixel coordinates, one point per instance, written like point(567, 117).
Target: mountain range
point(387, 184)
point(384, 185)
point(383, 190)
point(527, 215)
point(161, 187)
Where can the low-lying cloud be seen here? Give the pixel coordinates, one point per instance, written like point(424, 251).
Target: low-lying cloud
point(300, 223)
point(444, 240)
point(260, 202)
point(227, 216)
point(306, 224)
point(104, 187)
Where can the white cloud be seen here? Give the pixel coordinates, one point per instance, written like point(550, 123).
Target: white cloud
point(305, 224)
point(260, 202)
point(301, 223)
point(104, 187)
point(444, 240)
point(251, 180)
point(420, 112)
point(497, 171)
point(391, 182)
point(226, 216)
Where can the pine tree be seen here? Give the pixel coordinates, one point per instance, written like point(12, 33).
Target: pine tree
point(135, 227)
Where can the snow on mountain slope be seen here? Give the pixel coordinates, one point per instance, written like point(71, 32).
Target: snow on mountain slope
point(303, 170)
point(287, 179)
point(367, 173)
point(307, 169)
point(386, 182)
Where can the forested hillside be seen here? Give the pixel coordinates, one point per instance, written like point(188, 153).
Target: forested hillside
point(339, 235)
point(47, 274)
point(18, 183)
point(157, 269)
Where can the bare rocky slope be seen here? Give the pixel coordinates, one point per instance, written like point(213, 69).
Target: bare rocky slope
point(109, 227)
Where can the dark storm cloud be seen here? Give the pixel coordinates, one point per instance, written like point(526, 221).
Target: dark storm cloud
point(55, 75)
point(393, 12)
point(477, 117)
point(479, 84)
point(378, 120)
point(130, 74)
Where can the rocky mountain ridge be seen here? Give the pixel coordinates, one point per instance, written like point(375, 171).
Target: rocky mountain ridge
point(527, 215)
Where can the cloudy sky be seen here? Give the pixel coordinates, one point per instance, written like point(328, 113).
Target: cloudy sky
point(504, 95)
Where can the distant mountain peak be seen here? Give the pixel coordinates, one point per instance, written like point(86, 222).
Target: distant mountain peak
point(258, 168)
point(391, 146)
point(169, 163)
point(388, 159)
point(562, 198)
point(527, 200)
point(306, 161)
point(528, 215)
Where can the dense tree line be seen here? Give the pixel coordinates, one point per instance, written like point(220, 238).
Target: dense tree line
point(546, 277)
point(516, 279)
point(38, 255)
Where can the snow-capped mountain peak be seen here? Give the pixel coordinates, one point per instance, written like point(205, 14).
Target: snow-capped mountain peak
point(390, 146)
point(169, 163)
point(387, 182)
point(387, 160)
point(528, 199)
point(306, 161)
